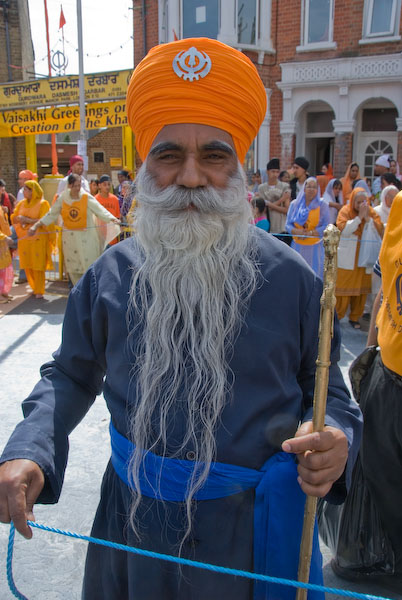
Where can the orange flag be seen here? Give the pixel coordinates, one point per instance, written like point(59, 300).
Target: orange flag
point(62, 19)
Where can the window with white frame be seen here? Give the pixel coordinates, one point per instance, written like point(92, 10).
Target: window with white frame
point(247, 18)
point(200, 18)
point(244, 24)
point(381, 19)
point(317, 24)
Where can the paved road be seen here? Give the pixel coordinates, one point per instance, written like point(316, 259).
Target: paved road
point(50, 567)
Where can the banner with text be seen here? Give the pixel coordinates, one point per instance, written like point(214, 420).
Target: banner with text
point(58, 119)
point(63, 90)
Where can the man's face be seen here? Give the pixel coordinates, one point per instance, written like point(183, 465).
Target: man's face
point(192, 156)
point(298, 171)
point(104, 187)
point(379, 170)
point(21, 181)
point(273, 175)
point(78, 167)
point(121, 177)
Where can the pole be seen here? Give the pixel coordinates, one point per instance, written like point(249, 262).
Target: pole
point(55, 169)
point(326, 331)
point(5, 6)
point(64, 50)
point(82, 143)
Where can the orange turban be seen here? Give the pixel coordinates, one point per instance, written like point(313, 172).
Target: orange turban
point(27, 175)
point(196, 80)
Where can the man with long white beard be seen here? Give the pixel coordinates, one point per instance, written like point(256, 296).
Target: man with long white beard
point(202, 332)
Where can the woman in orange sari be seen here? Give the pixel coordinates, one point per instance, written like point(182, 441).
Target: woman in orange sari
point(6, 267)
point(353, 282)
point(34, 252)
point(352, 174)
point(325, 178)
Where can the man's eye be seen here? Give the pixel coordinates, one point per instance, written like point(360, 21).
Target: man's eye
point(168, 156)
point(215, 156)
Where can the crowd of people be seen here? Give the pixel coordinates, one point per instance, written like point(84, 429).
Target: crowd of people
point(202, 332)
point(298, 208)
point(85, 210)
point(291, 204)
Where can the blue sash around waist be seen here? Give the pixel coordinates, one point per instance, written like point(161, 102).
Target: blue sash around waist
point(278, 507)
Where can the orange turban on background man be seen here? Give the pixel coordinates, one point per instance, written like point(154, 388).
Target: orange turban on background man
point(196, 80)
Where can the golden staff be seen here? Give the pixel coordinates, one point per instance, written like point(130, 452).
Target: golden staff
point(326, 332)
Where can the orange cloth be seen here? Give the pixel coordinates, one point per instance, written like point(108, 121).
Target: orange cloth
point(34, 251)
point(348, 213)
point(354, 282)
point(36, 279)
point(5, 255)
point(231, 96)
point(111, 203)
point(311, 223)
point(356, 304)
point(75, 215)
point(347, 183)
point(389, 318)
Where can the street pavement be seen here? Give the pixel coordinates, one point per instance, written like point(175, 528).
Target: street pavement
point(50, 566)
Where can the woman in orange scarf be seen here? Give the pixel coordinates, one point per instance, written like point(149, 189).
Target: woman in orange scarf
point(352, 174)
point(34, 252)
point(6, 267)
point(353, 282)
point(325, 178)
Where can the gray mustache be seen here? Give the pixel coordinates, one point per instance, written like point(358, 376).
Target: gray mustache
point(175, 198)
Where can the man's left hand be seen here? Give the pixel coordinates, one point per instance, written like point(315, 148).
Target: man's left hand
point(322, 457)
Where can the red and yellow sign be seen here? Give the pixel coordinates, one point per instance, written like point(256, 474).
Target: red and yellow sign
point(58, 119)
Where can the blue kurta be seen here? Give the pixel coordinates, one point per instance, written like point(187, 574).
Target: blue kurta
point(274, 366)
point(312, 254)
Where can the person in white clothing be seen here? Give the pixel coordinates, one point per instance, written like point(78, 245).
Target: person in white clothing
point(82, 239)
point(77, 168)
point(387, 197)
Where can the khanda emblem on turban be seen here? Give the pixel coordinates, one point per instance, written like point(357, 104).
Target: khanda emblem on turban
point(398, 285)
point(191, 64)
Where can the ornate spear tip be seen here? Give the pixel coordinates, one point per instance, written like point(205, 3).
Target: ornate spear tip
point(331, 237)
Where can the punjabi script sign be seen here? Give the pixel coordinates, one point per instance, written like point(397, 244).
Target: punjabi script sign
point(63, 90)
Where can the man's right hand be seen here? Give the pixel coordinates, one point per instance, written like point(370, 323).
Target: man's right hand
point(21, 482)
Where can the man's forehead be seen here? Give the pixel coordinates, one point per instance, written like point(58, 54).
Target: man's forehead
point(187, 135)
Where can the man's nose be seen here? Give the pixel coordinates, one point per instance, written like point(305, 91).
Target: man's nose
point(191, 174)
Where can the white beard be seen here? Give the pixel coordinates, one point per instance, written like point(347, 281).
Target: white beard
point(190, 296)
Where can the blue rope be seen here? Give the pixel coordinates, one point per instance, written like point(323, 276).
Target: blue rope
point(175, 559)
point(9, 565)
point(122, 226)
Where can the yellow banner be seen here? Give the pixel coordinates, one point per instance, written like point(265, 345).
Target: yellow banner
point(63, 90)
point(57, 119)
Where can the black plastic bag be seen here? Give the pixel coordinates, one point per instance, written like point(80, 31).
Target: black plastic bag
point(354, 531)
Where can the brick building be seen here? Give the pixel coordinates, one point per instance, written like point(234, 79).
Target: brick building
point(16, 64)
point(332, 70)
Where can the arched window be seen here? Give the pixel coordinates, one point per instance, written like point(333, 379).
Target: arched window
point(373, 151)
